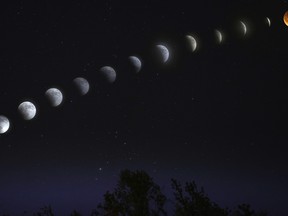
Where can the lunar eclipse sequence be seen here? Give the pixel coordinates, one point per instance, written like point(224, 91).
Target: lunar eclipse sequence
point(27, 110)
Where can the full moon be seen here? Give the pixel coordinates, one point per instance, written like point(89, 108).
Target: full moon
point(54, 96)
point(191, 42)
point(136, 63)
point(82, 85)
point(27, 110)
point(108, 73)
point(285, 18)
point(4, 124)
point(163, 52)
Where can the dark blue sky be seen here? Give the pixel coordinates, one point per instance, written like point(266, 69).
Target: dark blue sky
point(216, 116)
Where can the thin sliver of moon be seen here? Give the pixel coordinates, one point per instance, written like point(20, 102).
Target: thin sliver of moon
point(268, 21)
point(219, 36)
point(243, 27)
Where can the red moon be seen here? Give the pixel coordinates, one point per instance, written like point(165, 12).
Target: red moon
point(285, 18)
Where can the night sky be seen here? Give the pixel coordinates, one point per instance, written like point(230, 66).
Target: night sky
point(217, 115)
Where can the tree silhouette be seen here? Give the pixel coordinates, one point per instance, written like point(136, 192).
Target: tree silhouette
point(75, 213)
point(135, 194)
point(245, 210)
point(45, 211)
point(194, 202)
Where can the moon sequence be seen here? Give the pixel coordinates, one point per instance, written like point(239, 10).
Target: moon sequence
point(28, 110)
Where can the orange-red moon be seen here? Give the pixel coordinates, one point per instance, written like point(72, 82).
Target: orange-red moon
point(285, 18)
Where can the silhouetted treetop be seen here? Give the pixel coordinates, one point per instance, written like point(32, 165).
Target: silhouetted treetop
point(75, 213)
point(135, 194)
point(45, 211)
point(194, 202)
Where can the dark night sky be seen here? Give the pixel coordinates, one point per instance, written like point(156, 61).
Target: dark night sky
point(217, 116)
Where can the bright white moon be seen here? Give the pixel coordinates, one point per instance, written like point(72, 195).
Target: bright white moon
point(54, 96)
point(27, 110)
point(4, 124)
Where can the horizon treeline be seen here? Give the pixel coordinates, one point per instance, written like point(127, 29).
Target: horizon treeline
point(136, 194)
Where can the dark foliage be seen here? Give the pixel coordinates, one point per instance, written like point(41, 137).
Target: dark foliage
point(194, 202)
point(45, 211)
point(245, 210)
point(75, 213)
point(135, 194)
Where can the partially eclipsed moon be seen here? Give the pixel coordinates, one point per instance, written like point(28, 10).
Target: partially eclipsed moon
point(27, 110)
point(54, 96)
point(285, 18)
point(268, 21)
point(219, 36)
point(4, 124)
point(164, 53)
point(108, 73)
point(192, 42)
point(82, 85)
point(244, 27)
point(136, 63)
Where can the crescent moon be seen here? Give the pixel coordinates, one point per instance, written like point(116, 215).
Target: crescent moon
point(136, 63)
point(4, 124)
point(219, 36)
point(285, 18)
point(27, 110)
point(82, 85)
point(164, 53)
point(54, 96)
point(244, 27)
point(192, 42)
point(268, 21)
point(108, 73)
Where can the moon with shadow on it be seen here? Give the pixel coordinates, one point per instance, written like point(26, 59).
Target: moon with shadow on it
point(54, 96)
point(108, 73)
point(82, 85)
point(219, 36)
point(136, 63)
point(27, 110)
point(4, 124)
point(163, 52)
point(285, 18)
point(268, 21)
point(191, 42)
point(244, 27)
